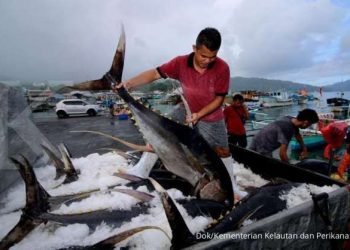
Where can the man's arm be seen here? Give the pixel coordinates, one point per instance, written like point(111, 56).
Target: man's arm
point(141, 79)
point(246, 112)
point(300, 140)
point(216, 103)
point(283, 153)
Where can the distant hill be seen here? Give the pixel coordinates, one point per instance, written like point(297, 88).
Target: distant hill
point(261, 84)
point(339, 86)
point(236, 84)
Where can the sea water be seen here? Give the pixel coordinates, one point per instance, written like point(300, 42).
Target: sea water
point(320, 105)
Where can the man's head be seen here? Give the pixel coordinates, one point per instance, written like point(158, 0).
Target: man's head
point(210, 38)
point(237, 100)
point(307, 117)
point(207, 46)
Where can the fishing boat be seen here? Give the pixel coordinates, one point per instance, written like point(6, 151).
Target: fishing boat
point(312, 139)
point(255, 115)
point(252, 105)
point(301, 97)
point(340, 109)
point(251, 95)
point(338, 101)
point(275, 99)
point(260, 124)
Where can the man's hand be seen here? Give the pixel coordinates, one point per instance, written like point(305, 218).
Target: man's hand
point(283, 153)
point(192, 119)
point(125, 84)
point(303, 154)
point(149, 148)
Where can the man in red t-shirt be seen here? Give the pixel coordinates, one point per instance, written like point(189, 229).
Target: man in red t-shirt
point(235, 116)
point(205, 79)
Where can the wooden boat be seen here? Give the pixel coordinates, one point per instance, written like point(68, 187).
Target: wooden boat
point(260, 124)
point(275, 99)
point(312, 139)
point(256, 115)
point(302, 99)
point(251, 95)
point(340, 109)
point(338, 101)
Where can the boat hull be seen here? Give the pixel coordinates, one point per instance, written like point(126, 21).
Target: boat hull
point(270, 102)
point(310, 141)
point(269, 168)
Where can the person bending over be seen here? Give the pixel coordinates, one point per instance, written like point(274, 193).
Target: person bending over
point(279, 133)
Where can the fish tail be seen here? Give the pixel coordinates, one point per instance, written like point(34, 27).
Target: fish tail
point(36, 204)
point(182, 236)
point(37, 198)
point(110, 242)
point(57, 162)
point(71, 172)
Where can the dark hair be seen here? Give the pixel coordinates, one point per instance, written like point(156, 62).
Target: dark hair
point(308, 115)
point(238, 97)
point(210, 38)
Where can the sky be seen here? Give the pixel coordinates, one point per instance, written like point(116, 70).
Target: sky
point(305, 41)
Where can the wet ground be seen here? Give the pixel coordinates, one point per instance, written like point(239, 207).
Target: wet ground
point(82, 144)
point(79, 144)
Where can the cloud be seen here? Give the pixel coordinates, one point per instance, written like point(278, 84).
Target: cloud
point(304, 40)
point(278, 37)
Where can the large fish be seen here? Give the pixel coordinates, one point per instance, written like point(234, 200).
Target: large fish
point(182, 149)
point(65, 167)
point(38, 202)
point(264, 202)
point(37, 205)
point(143, 169)
point(109, 243)
point(319, 166)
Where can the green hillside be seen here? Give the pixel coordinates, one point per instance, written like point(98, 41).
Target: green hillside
point(339, 86)
point(261, 84)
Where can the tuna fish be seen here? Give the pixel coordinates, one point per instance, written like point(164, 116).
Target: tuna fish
point(264, 202)
point(182, 149)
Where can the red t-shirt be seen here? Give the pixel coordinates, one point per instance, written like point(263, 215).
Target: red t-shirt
point(199, 89)
point(234, 120)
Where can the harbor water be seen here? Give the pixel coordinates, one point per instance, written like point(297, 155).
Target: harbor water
point(319, 105)
point(271, 114)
